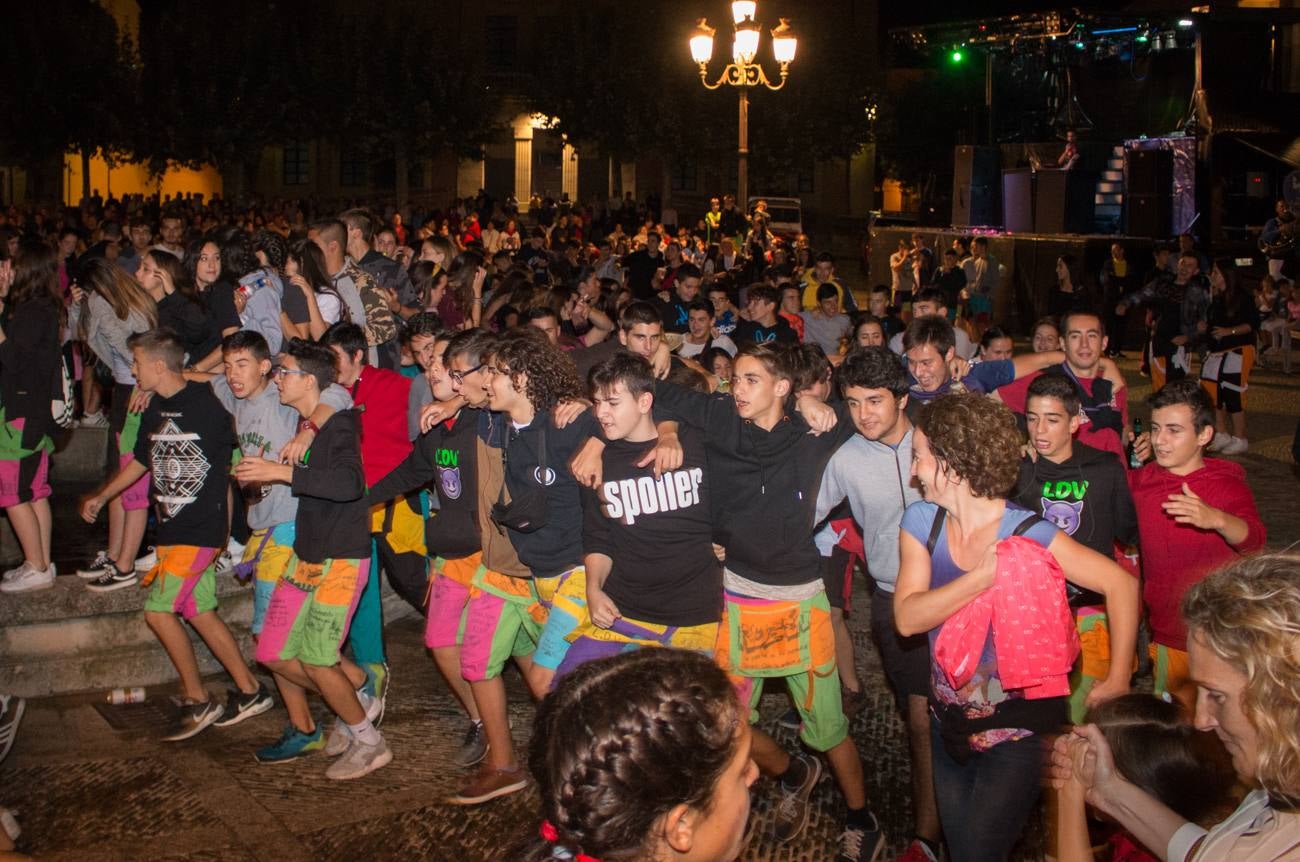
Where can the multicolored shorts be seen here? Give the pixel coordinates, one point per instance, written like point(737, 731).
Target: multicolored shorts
point(565, 598)
point(760, 638)
point(24, 479)
point(311, 610)
point(269, 565)
point(449, 590)
point(135, 497)
point(592, 642)
point(182, 581)
point(1094, 659)
point(503, 618)
point(1172, 676)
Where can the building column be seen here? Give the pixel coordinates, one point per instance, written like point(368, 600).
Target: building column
point(569, 172)
point(628, 172)
point(523, 160)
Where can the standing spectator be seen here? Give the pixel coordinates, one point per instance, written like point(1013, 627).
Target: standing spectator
point(179, 308)
point(826, 326)
point(1233, 327)
point(30, 357)
point(1118, 278)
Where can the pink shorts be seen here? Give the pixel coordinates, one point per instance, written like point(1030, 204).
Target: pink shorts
point(135, 497)
point(26, 479)
point(447, 601)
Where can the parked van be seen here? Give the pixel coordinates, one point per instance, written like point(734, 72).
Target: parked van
point(784, 215)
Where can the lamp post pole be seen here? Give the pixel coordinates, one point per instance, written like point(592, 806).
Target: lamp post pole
point(743, 73)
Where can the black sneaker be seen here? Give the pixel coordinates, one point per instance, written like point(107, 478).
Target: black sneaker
point(112, 579)
point(790, 719)
point(474, 748)
point(194, 718)
point(861, 844)
point(240, 706)
point(792, 810)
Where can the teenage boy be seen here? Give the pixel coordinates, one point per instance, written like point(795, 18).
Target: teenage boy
point(1084, 492)
point(447, 453)
point(871, 470)
point(502, 615)
point(767, 466)
point(929, 302)
point(685, 290)
point(652, 577)
point(699, 336)
point(764, 324)
point(264, 426)
point(1103, 400)
point(543, 515)
point(383, 397)
point(186, 440)
point(313, 602)
point(826, 326)
point(1194, 514)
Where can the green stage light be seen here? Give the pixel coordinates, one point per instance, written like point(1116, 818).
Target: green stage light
point(957, 56)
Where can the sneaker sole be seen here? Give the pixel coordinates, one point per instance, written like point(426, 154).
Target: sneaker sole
point(86, 575)
point(115, 585)
point(459, 799)
point(379, 762)
point(306, 752)
point(256, 709)
point(193, 732)
point(10, 587)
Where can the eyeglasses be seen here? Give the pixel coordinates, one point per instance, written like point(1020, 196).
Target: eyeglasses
point(458, 377)
point(283, 371)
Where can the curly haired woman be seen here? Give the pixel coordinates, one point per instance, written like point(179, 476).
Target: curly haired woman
point(986, 725)
point(1244, 649)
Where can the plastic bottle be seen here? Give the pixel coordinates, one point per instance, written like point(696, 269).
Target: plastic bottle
point(1134, 461)
point(123, 696)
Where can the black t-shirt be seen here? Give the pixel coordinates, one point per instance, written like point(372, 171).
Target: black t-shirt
point(220, 300)
point(294, 304)
point(748, 331)
point(186, 442)
point(675, 315)
point(658, 533)
point(190, 321)
point(641, 266)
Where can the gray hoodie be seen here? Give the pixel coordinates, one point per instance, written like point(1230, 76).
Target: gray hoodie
point(264, 426)
point(107, 335)
point(875, 479)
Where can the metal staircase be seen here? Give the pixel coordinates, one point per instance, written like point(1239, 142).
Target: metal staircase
point(1108, 203)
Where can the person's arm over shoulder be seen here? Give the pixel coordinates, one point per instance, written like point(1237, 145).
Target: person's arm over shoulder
point(416, 469)
point(333, 469)
point(833, 489)
point(221, 389)
point(993, 373)
point(679, 404)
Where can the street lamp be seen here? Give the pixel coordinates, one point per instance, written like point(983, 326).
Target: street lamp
point(742, 72)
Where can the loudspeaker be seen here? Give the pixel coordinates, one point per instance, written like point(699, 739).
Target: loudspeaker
point(1063, 201)
point(1018, 200)
point(976, 177)
point(1149, 172)
point(1149, 215)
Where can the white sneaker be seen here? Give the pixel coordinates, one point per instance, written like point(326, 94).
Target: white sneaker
point(147, 560)
point(1219, 443)
point(28, 580)
point(17, 570)
point(360, 759)
point(338, 740)
point(93, 420)
point(1235, 446)
point(96, 567)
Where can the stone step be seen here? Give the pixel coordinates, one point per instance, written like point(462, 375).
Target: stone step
point(1105, 187)
point(1113, 175)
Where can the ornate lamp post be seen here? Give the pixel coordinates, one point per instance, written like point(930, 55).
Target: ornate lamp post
point(742, 72)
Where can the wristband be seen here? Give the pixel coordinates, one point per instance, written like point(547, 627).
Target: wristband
point(308, 425)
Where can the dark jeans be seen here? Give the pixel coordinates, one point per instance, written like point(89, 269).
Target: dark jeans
point(984, 803)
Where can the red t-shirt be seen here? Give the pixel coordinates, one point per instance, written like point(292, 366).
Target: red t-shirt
point(1016, 393)
point(382, 397)
point(1175, 556)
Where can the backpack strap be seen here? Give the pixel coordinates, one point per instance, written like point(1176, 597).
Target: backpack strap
point(936, 529)
point(1026, 525)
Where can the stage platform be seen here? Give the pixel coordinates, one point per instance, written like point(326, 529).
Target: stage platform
point(1028, 261)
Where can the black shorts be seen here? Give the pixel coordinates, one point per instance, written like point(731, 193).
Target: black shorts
point(834, 572)
point(906, 659)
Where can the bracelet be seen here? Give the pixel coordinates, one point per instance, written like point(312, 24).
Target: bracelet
point(308, 425)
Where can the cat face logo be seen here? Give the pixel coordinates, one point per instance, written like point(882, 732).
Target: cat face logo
point(449, 482)
point(1063, 514)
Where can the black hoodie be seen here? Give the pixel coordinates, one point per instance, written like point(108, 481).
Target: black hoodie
point(765, 483)
point(1087, 497)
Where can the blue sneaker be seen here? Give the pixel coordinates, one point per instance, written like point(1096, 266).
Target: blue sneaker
point(376, 685)
point(293, 744)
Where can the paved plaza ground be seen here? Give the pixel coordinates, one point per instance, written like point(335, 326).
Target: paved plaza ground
point(84, 790)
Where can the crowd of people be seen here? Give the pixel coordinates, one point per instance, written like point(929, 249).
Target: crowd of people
point(652, 502)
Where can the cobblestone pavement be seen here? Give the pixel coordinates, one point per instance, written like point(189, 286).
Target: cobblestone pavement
point(83, 789)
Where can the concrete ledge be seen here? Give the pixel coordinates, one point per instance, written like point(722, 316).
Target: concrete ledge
point(81, 456)
point(67, 639)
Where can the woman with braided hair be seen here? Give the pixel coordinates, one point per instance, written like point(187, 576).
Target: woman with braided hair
point(642, 756)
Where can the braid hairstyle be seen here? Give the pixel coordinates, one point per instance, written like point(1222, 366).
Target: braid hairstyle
point(622, 741)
